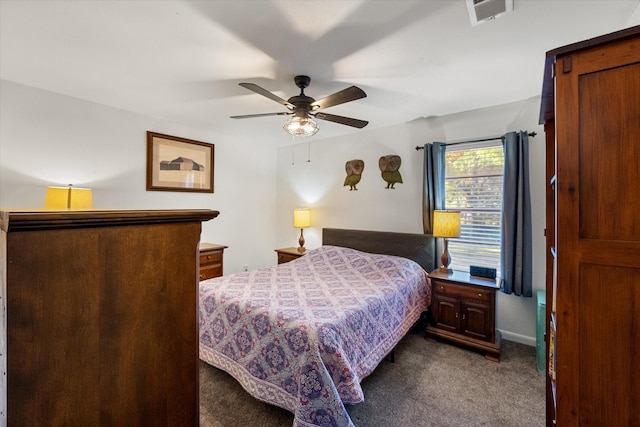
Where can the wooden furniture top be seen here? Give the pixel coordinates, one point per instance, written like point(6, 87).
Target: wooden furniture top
point(291, 251)
point(461, 276)
point(40, 219)
point(548, 85)
point(210, 246)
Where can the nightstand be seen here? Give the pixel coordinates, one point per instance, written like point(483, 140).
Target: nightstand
point(288, 254)
point(463, 310)
point(211, 260)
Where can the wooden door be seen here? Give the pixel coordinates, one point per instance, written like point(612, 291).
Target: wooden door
point(476, 320)
point(598, 235)
point(446, 313)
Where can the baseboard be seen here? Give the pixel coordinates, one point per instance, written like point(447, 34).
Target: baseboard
point(522, 339)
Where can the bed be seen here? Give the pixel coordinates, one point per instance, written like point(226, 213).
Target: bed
point(302, 335)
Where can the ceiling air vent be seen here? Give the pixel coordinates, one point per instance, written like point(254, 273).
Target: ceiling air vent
point(483, 10)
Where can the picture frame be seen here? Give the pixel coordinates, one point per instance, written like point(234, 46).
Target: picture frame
point(179, 164)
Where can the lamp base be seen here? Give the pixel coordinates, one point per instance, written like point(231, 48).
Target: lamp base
point(445, 259)
point(301, 248)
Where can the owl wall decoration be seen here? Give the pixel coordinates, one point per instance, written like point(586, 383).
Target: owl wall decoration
point(389, 167)
point(354, 170)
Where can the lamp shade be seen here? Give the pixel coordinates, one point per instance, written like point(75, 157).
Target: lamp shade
point(68, 198)
point(446, 224)
point(301, 217)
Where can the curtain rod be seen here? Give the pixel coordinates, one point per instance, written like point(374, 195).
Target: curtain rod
point(418, 147)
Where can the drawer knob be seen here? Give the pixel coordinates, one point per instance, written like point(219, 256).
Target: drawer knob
point(201, 276)
point(208, 256)
point(442, 288)
point(479, 295)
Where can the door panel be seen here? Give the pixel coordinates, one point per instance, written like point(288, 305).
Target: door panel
point(475, 321)
point(446, 313)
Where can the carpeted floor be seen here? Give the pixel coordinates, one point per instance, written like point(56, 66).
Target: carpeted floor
point(430, 384)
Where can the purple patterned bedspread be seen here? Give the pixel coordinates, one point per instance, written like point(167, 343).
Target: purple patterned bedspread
point(302, 335)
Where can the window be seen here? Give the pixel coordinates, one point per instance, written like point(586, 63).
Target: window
point(473, 185)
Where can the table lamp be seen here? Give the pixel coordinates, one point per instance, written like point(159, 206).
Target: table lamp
point(68, 198)
point(301, 219)
point(446, 224)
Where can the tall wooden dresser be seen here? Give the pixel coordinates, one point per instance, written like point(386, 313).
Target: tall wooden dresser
point(591, 113)
point(99, 317)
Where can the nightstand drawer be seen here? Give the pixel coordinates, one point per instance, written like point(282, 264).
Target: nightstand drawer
point(462, 291)
point(208, 258)
point(282, 258)
point(210, 272)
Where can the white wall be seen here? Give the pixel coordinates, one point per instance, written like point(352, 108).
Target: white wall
point(318, 184)
point(50, 139)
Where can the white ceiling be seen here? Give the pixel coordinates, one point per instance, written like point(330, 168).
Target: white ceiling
point(182, 60)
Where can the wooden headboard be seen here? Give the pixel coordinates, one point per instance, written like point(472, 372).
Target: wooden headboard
point(417, 247)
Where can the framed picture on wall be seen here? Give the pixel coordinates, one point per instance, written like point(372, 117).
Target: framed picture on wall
point(179, 164)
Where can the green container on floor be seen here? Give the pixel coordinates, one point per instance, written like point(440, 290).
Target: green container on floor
point(541, 325)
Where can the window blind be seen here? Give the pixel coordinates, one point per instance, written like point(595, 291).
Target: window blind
point(473, 185)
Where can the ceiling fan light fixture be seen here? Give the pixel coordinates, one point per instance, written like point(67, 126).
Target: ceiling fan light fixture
point(301, 126)
point(303, 108)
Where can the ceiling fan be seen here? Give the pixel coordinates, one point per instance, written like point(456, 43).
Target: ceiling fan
point(302, 107)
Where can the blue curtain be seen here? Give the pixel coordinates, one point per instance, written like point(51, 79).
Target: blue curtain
point(433, 188)
point(516, 217)
point(433, 178)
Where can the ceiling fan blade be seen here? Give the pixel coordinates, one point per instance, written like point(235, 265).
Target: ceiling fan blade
point(257, 89)
point(342, 120)
point(248, 116)
point(349, 94)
